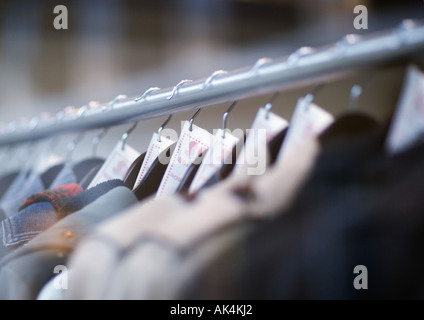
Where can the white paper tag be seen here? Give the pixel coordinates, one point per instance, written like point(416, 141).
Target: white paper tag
point(214, 158)
point(309, 120)
point(153, 151)
point(116, 164)
point(408, 122)
point(189, 146)
point(252, 159)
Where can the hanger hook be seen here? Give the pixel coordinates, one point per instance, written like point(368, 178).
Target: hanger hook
point(34, 122)
point(355, 93)
point(215, 74)
point(348, 40)
point(125, 136)
point(192, 119)
point(299, 54)
point(112, 103)
point(225, 116)
point(163, 126)
point(403, 30)
point(81, 111)
point(97, 139)
point(268, 106)
point(177, 86)
point(259, 64)
point(310, 97)
point(72, 145)
point(146, 93)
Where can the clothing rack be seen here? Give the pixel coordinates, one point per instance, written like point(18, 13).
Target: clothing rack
point(306, 66)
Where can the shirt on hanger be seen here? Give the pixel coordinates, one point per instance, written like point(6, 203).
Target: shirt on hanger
point(159, 242)
point(37, 213)
point(26, 270)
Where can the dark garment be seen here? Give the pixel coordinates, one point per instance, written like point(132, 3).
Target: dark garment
point(57, 197)
point(26, 270)
point(37, 213)
point(75, 172)
point(359, 207)
point(88, 196)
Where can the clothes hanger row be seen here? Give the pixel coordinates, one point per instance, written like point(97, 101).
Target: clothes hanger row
point(155, 175)
point(345, 56)
point(350, 122)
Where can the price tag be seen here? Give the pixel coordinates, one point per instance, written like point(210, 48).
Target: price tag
point(308, 121)
point(214, 158)
point(252, 159)
point(408, 122)
point(116, 164)
point(189, 146)
point(153, 151)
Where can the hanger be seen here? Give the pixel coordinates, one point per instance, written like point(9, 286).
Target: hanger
point(190, 174)
point(51, 173)
point(191, 171)
point(276, 143)
point(352, 122)
point(83, 170)
point(153, 177)
point(132, 172)
point(230, 162)
point(150, 183)
point(85, 181)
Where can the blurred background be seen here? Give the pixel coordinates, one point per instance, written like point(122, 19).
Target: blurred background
point(121, 46)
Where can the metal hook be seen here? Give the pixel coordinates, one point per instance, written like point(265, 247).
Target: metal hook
point(355, 93)
point(298, 54)
point(403, 29)
point(81, 111)
point(348, 40)
point(97, 139)
point(125, 136)
point(268, 106)
point(259, 64)
point(118, 98)
point(146, 93)
point(179, 84)
point(33, 123)
point(192, 119)
point(307, 100)
point(72, 145)
point(163, 126)
point(225, 116)
point(215, 74)
point(88, 106)
point(45, 119)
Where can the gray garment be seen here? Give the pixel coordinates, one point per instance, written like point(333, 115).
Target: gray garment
point(156, 251)
point(50, 291)
point(25, 271)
